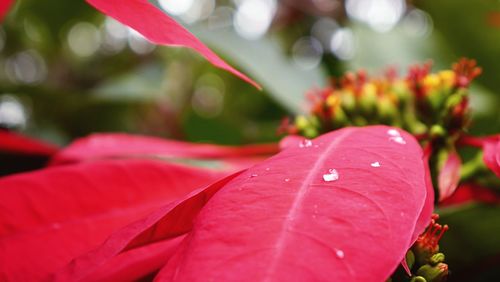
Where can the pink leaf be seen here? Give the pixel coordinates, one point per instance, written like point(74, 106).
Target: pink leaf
point(162, 226)
point(345, 210)
point(4, 8)
point(50, 216)
point(449, 175)
point(102, 146)
point(159, 28)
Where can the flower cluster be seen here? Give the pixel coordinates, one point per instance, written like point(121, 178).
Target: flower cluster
point(423, 103)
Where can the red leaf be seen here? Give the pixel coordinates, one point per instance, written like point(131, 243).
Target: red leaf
point(470, 192)
point(159, 28)
point(18, 144)
point(449, 175)
point(50, 216)
point(345, 210)
point(99, 146)
point(4, 8)
point(137, 263)
point(491, 151)
point(165, 224)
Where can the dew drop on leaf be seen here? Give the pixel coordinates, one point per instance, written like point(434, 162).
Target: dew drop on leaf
point(395, 136)
point(375, 164)
point(305, 143)
point(287, 179)
point(398, 139)
point(332, 175)
point(393, 132)
point(339, 253)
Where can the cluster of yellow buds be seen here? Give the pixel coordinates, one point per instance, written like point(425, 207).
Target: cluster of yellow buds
point(423, 103)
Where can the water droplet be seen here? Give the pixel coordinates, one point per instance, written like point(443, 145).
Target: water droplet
point(253, 175)
point(287, 179)
point(315, 206)
point(395, 136)
point(398, 139)
point(375, 164)
point(339, 253)
point(268, 169)
point(332, 175)
point(393, 132)
point(305, 143)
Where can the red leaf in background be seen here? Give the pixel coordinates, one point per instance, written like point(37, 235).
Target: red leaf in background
point(101, 146)
point(470, 192)
point(344, 210)
point(18, 144)
point(159, 28)
point(164, 226)
point(50, 216)
point(449, 175)
point(491, 151)
point(4, 8)
point(19, 153)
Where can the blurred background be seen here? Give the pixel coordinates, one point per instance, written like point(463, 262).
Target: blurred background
point(66, 70)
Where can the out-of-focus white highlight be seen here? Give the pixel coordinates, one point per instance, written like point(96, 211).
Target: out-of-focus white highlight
point(254, 17)
point(381, 15)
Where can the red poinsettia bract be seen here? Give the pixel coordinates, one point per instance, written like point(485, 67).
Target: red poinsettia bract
point(344, 206)
point(154, 25)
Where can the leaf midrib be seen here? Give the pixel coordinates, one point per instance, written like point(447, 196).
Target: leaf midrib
point(301, 195)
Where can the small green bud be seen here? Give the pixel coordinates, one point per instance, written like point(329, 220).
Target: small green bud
point(418, 279)
point(435, 99)
point(436, 258)
point(437, 131)
point(455, 99)
point(437, 273)
point(387, 110)
point(339, 118)
point(301, 122)
point(368, 99)
point(348, 101)
point(410, 258)
point(310, 132)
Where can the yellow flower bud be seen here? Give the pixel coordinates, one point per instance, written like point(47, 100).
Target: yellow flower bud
point(301, 122)
point(431, 81)
point(447, 77)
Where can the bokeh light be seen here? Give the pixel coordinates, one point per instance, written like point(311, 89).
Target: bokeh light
point(253, 17)
point(84, 39)
point(381, 15)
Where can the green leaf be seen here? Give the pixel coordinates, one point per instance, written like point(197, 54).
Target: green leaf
point(467, 26)
point(264, 60)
